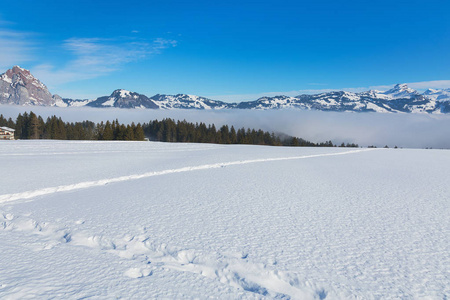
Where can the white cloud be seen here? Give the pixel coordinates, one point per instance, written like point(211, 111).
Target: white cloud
point(94, 57)
point(436, 84)
point(15, 48)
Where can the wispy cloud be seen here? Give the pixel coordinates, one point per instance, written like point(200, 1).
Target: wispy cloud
point(94, 57)
point(436, 84)
point(15, 48)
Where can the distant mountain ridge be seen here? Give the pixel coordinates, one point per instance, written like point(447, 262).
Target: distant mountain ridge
point(19, 87)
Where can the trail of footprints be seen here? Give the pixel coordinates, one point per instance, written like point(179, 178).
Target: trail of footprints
point(234, 269)
point(102, 182)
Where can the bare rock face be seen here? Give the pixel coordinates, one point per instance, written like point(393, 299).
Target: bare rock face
point(18, 86)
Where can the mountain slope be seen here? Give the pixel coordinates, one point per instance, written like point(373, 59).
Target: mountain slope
point(398, 99)
point(438, 95)
point(124, 99)
point(188, 102)
point(18, 86)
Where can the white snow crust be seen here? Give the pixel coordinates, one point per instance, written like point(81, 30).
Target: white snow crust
point(110, 102)
point(60, 103)
point(6, 78)
point(146, 220)
point(124, 93)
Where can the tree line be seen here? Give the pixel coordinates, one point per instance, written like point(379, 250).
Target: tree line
point(32, 126)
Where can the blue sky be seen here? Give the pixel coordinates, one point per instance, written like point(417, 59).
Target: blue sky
point(229, 50)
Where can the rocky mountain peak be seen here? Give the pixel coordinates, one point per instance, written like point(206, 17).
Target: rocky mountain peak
point(400, 86)
point(19, 86)
point(430, 91)
point(401, 90)
point(123, 99)
point(121, 93)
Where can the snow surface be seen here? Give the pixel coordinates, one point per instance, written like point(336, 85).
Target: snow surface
point(160, 220)
point(124, 93)
point(5, 78)
point(109, 102)
point(60, 103)
point(440, 95)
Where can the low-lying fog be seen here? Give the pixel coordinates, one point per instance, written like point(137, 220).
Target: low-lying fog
point(402, 130)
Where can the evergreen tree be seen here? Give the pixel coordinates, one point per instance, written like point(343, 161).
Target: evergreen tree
point(233, 136)
point(121, 130)
point(19, 127)
point(11, 124)
point(108, 133)
point(60, 130)
point(100, 130)
point(25, 126)
point(129, 133)
point(139, 133)
point(3, 121)
point(241, 137)
point(225, 134)
point(33, 127)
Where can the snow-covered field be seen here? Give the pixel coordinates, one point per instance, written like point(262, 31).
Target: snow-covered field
point(158, 220)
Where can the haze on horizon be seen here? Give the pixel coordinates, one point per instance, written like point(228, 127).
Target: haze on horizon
point(366, 129)
point(231, 51)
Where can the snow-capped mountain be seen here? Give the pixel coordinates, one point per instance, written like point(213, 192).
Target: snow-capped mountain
point(398, 99)
point(188, 102)
point(126, 99)
point(18, 86)
point(123, 99)
point(271, 103)
point(438, 95)
point(66, 102)
point(400, 91)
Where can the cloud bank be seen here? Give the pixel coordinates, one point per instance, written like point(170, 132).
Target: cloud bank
point(402, 130)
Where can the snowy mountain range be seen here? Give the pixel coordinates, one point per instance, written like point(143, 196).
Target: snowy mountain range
point(18, 86)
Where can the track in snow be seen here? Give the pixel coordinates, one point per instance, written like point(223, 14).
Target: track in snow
point(88, 184)
point(233, 269)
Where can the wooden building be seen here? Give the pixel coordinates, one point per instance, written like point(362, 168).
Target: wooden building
point(6, 133)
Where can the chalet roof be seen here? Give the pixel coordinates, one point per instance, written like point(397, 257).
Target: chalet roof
point(7, 129)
